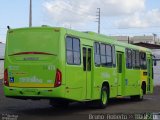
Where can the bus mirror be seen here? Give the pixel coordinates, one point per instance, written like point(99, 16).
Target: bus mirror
point(155, 62)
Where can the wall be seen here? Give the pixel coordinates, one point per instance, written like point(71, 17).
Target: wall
point(1, 68)
point(2, 49)
point(156, 68)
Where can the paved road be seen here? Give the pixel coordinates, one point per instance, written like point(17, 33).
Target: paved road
point(41, 110)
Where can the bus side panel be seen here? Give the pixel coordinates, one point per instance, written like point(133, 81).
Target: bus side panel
point(113, 82)
point(120, 76)
point(152, 78)
point(149, 73)
point(101, 75)
point(75, 76)
point(132, 82)
point(75, 82)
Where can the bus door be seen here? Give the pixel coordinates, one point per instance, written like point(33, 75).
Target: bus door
point(87, 62)
point(149, 74)
point(120, 71)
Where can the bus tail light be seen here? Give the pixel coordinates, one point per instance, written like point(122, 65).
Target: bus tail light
point(58, 79)
point(6, 82)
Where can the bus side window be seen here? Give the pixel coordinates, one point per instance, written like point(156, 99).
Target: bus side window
point(73, 51)
point(84, 58)
point(97, 54)
point(109, 55)
point(143, 64)
point(103, 55)
point(133, 58)
point(89, 60)
point(137, 59)
point(129, 58)
point(113, 56)
point(106, 55)
point(76, 51)
point(69, 50)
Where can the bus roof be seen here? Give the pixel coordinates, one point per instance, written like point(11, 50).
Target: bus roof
point(102, 38)
point(89, 35)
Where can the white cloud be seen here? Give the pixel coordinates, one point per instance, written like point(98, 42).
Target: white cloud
point(142, 19)
point(79, 12)
point(153, 17)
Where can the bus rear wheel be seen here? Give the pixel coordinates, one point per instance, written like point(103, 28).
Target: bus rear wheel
point(103, 101)
point(138, 97)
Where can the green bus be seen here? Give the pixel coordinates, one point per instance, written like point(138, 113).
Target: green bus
point(64, 65)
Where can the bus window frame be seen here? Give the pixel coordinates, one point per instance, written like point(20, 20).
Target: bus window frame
point(141, 67)
point(112, 46)
point(134, 67)
point(114, 52)
point(97, 65)
point(108, 66)
point(126, 54)
point(73, 37)
point(137, 67)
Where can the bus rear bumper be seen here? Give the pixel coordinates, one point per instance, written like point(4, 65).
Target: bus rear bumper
point(34, 93)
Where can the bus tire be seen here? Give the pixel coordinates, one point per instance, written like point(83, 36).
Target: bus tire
point(144, 88)
point(59, 103)
point(140, 97)
point(103, 101)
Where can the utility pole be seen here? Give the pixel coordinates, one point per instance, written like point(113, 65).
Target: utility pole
point(154, 37)
point(99, 19)
point(128, 40)
point(30, 14)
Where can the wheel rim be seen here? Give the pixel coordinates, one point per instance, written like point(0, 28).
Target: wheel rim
point(104, 97)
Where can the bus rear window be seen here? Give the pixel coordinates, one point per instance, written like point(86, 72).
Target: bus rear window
point(32, 40)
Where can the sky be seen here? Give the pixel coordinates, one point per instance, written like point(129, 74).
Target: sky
point(118, 17)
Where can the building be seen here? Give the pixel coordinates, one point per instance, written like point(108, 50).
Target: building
point(2, 49)
point(138, 39)
point(156, 68)
point(124, 39)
